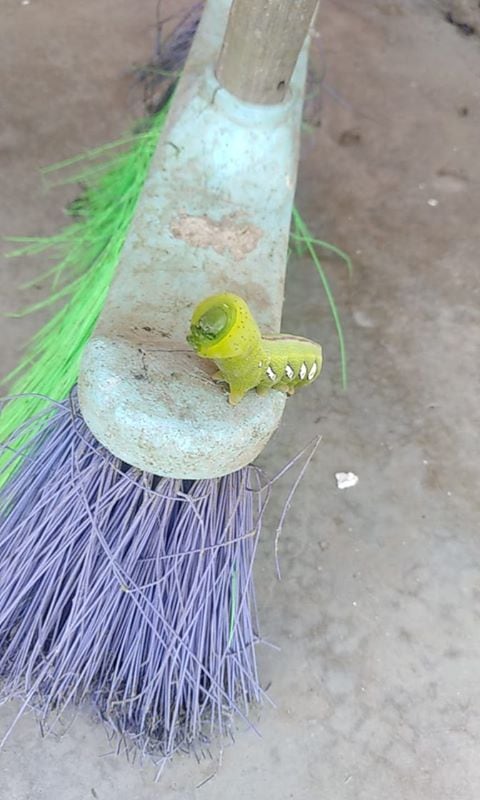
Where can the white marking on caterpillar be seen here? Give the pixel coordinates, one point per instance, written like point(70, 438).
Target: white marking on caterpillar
point(271, 374)
point(312, 371)
point(289, 372)
point(303, 371)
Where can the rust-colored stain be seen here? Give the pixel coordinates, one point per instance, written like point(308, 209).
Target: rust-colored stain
point(228, 235)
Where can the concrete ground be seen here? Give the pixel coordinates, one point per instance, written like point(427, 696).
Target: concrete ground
point(376, 685)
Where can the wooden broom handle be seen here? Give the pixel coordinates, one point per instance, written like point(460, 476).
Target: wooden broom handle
point(261, 46)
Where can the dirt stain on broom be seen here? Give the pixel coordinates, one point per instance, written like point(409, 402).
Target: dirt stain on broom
point(228, 235)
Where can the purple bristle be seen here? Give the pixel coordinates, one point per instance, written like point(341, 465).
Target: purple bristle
point(127, 592)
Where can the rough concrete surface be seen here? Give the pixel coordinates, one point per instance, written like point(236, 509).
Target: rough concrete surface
point(377, 617)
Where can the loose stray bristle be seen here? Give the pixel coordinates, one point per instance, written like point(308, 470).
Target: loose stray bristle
point(127, 593)
point(159, 76)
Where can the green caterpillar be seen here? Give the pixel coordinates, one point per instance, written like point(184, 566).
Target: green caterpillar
point(224, 330)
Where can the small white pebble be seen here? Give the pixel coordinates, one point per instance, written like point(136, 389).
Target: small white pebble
point(354, 603)
point(432, 202)
point(25, 2)
point(345, 480)
point(425, 461)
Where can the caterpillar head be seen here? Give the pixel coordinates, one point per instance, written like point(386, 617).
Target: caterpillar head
point(223, 327)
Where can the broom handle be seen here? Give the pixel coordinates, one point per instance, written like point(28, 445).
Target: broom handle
point(261, 47)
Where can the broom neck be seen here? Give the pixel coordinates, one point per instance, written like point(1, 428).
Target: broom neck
point(261, 46)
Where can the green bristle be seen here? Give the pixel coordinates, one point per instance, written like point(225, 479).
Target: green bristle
point(305, 242)
point(87, 251)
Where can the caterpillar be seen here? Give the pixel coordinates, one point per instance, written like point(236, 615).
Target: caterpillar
point(223, 329)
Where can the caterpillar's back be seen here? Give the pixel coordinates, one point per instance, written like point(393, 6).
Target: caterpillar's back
point(292, 361)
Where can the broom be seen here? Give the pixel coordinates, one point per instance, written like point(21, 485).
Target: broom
point(123, 590)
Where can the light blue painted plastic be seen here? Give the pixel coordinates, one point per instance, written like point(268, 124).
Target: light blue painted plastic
point(214, 216)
